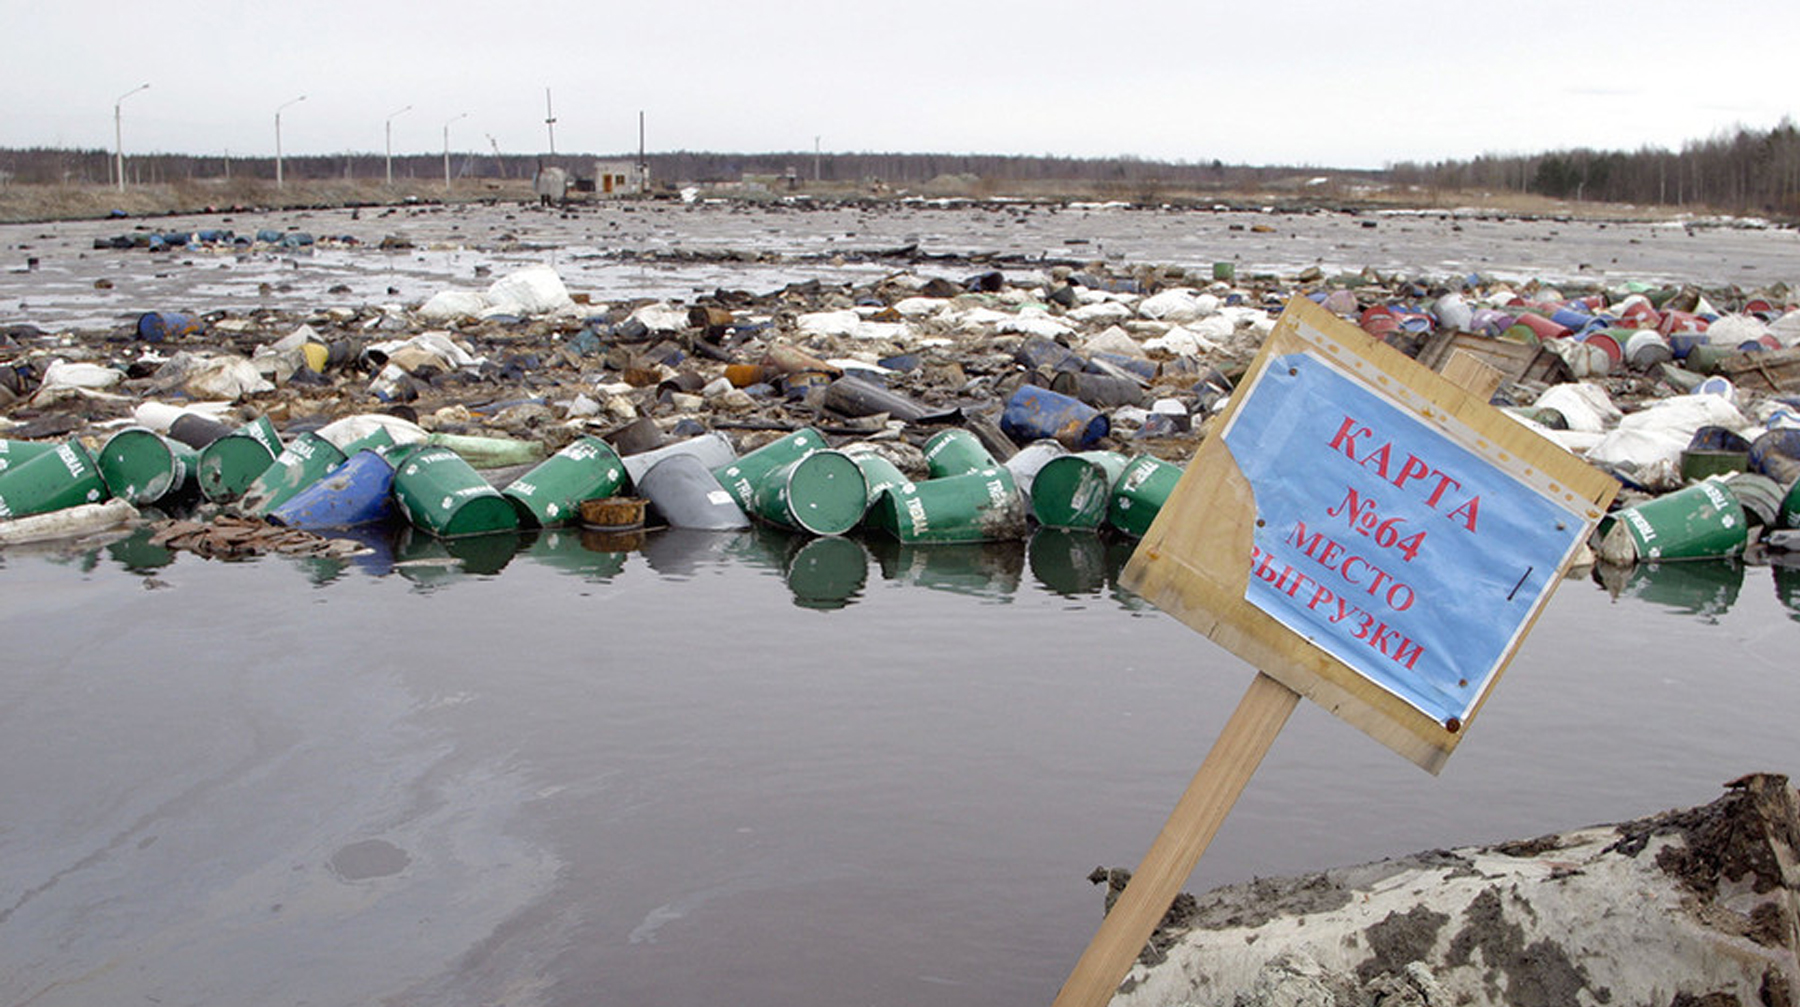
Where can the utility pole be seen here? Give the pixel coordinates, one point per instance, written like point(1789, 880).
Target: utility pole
point(278, 180)
point(643, 172)
point(447, 123)
point(119, 136)
point(550, 122)
point(389, 125)
point(816, 158)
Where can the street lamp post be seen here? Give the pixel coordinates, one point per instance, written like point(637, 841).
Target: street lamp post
point(119, 136)
point(447, 123)
point(390, 143)
point(278, 178)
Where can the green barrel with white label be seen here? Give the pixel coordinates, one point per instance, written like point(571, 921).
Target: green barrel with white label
point(551, 493)
point(1073, 491)
point(19, 452)
point(741, 476)
point(54, 480)
point(230, 464)
point(142, 466)
point(879, 474)
point(304, 461)
point(981, 506)
point(954, 452)
point(1703, 521)
point(823, 493)
point(1139, 494)
point(442, 494)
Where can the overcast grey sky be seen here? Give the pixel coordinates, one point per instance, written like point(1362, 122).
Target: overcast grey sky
point(1299, 82)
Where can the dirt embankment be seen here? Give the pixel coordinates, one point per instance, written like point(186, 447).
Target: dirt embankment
point(1696, 906)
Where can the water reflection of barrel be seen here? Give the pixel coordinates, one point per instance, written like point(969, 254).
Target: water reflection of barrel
point(426, 558)
point(979, 569)
point(231, 463)
point(1073, 491)
point(358, 492)
point(1066, 562)
point(54, 480)
point(566, 551)
point(979, 506)
point(440, 492)
point(143, 467)
point(1706, 587)
point(551, 493)
point(827, 572)
point(304, 461)
point(684, 494)
point(680, 553)
point(135, 553)
point(1786, 569)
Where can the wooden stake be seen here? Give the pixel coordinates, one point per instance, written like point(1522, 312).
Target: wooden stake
point(1240, 748)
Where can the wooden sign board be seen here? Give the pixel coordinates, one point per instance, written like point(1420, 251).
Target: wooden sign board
point(1368, 533)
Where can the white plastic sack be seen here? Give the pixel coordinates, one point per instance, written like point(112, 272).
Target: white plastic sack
point(1732, 331)
point(1104, 311)
point(661, 318)
point(1178, 305)
point(1586, 407)
point(354, 428)
point(225, 377)
point(1184, 341)
point(534, 290)
point(921, 307)
point(1113, 340)
point(450, 305)
point(829, 323)
point(62, 374)
point(1035, 323)
point(1659, 433)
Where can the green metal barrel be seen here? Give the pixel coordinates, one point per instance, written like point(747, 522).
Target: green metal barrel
point(19, 452)
point(1073, 491)
point(442, 494)
point(1140, 493)
point(65, 477)
point(551, 494)
point(879, 474)
point(741, 476)
point(1703, 521)
point(374, 441)
point(981, 506)
point(142, 466)
point(954, 452)
point(230, 464)
point(823, 493)
point(303, 462)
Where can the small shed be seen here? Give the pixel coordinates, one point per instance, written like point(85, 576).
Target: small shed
point(621, 178)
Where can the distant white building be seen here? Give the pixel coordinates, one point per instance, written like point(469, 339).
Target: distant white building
point(621, 178)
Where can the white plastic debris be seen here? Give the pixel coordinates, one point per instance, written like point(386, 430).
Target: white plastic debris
point(62, 374)
point(1660, 432)
point(1585, 407)
point(1113, 340)
point(661, 318)
point(354, 428)
point(1103, 311)
point(451, 305)
point(1180, 304)
point(70, 522)
point(534, 290)
point(226, 377)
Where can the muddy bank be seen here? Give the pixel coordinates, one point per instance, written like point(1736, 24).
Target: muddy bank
point(1693, 906)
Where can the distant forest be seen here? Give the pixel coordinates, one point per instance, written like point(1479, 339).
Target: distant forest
point(1742, 171)
point(1746, 171)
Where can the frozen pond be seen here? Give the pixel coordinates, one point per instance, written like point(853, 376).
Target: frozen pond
point(717, 768)
point(661, 250)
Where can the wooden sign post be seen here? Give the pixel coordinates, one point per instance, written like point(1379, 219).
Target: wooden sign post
point(1367, 534)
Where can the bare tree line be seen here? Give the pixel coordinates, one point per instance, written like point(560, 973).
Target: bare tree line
point(1741, 171)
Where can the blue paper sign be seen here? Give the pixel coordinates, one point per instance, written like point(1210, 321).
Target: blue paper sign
point(1386, 543)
